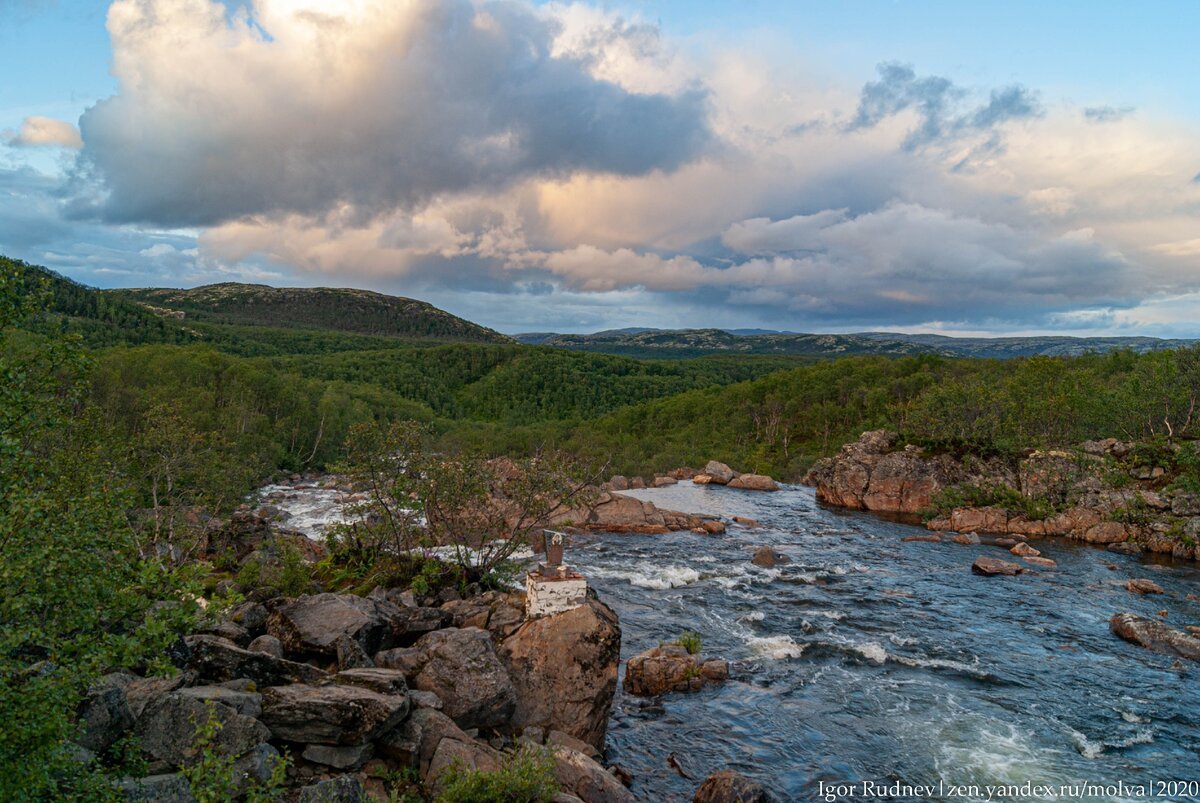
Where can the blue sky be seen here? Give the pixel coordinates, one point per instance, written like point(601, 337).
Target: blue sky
point(978, 167)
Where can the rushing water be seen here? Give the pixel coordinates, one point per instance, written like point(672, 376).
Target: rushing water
point(871, 659)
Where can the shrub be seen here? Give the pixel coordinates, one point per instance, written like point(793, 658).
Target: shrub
point(526, 776)
point(690, 641)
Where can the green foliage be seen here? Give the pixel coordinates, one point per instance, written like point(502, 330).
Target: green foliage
point(75, 597)
point(525, 776)
point(690, 641)
point(212, 775)
point(1002, 496)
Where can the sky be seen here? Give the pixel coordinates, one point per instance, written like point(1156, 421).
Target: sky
point(903, 165)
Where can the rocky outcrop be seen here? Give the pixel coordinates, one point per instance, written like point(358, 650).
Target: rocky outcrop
point(1156, 636)
point(872, 473)
point(336, 714)
point(728, 786)
point(460, 666)
point(669, 668)
point(616, 513)
point(564, 671)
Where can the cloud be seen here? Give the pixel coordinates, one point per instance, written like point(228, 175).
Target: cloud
point(43, 131)
point(936, 101)
point(296, 108)
point(1107, 114)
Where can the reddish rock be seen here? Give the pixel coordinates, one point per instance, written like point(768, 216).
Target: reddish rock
point(664, 669)
point(1155, 636)
point(702, 479)
point(745, 522)
point(721, 474)
point(1024, 551)
point(991, 567)
point(713, 527)
point(1143, 586)
point(754, 482)
point(1045, 563)
point(662, 482)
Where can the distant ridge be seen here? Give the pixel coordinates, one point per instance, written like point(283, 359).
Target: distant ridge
point(347, 310)
point(676, 343)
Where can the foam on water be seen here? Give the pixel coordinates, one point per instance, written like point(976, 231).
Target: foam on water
point(775, 646)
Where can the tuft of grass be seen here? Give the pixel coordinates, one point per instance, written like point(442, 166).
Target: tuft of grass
point(526, 776)
point(690, 641)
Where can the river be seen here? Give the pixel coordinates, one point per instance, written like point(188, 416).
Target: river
point(870, 659)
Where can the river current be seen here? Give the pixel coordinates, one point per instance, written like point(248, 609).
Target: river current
point(868, 659)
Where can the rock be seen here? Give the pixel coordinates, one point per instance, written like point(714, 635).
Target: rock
point(665, 669)
point(217, 659)
point(250, 615)
point(246, 703)
point(564, 671)
point(728, 786)
point(467, 613)
point(581, 776)
point(715, 670)
point(990, 567)
point(746, 522)
point(682, 473)
point(384, 681)
point(720, 473)
point(407, 660)
point(1143, 586)
point(1106, 532)
point(968, 539)
point(467, 754)
point(1045, 563)
point(167, 728)
point(1126, 548)
point(268, 645)
point(637, 483)
point(619, 483)
point(1185, 504)
point(171, 788)
point(1156, 636)
point(410, 623)
point(1024, 551)
point(312, 625)
point(461, 667)
point(932, 538)
point(754, 482)
point(256, 766)
point(702, 479)
point(561, 739)
point(425, 699)
point(767, 557)
point(350, 654)
point(413, 744)
point(349, 757)
point(231, 631)
point(141, 691)
point(663, 482)
point(713, 527)
point(342, 789)
point(105, 714)
point(335, 714)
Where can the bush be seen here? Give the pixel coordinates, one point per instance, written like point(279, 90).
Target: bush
point(690, 641)
point(526, 776)
point(968, 495)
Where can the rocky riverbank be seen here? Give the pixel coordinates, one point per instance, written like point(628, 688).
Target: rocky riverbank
point(1101, 492)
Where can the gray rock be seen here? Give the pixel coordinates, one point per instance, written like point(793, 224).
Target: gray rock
point(246, 703)
point(384, 681)
point(167, 728)
point(218, 659)
point(414, 743)
point(342, 758)
point(350, 654)
point(992, 567)
point(333, 714)
point(252, 616)
point(256, 766)
point(721, 474)
point(462, 669)
point(425, 699)
point(232, 631)
point(342, 789)
point(410, 623)
point(171, 788)
point(105, 713)
point(313, 624)
point(268, 645)
point(407, 660)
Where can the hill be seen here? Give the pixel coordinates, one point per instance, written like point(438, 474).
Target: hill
point(345, 310)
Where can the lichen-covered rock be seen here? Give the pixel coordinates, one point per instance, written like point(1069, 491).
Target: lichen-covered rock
point(342, 789)
point(335, 714)
point(105, 714)
point(461, 667)
point(167, 727)
point(312, 625)
point(669, 668)
point(580, 775)
point(217, 659)
point(564, 671)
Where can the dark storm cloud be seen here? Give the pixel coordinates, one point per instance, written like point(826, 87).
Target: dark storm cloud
point(437, 97)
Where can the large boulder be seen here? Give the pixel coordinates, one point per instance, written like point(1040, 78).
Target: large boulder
point(728, 786)
point(337, 714)
point(1143, 585)
point(1154, 635)
point(564, 670)
point(993, 567)
point(167, 727)
point(312, 625)
point(171, 788)
point(218, 659)
point(580, 775)
point(105, 714)
point(754, 482)
point(461, 667)
point(720, 473)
